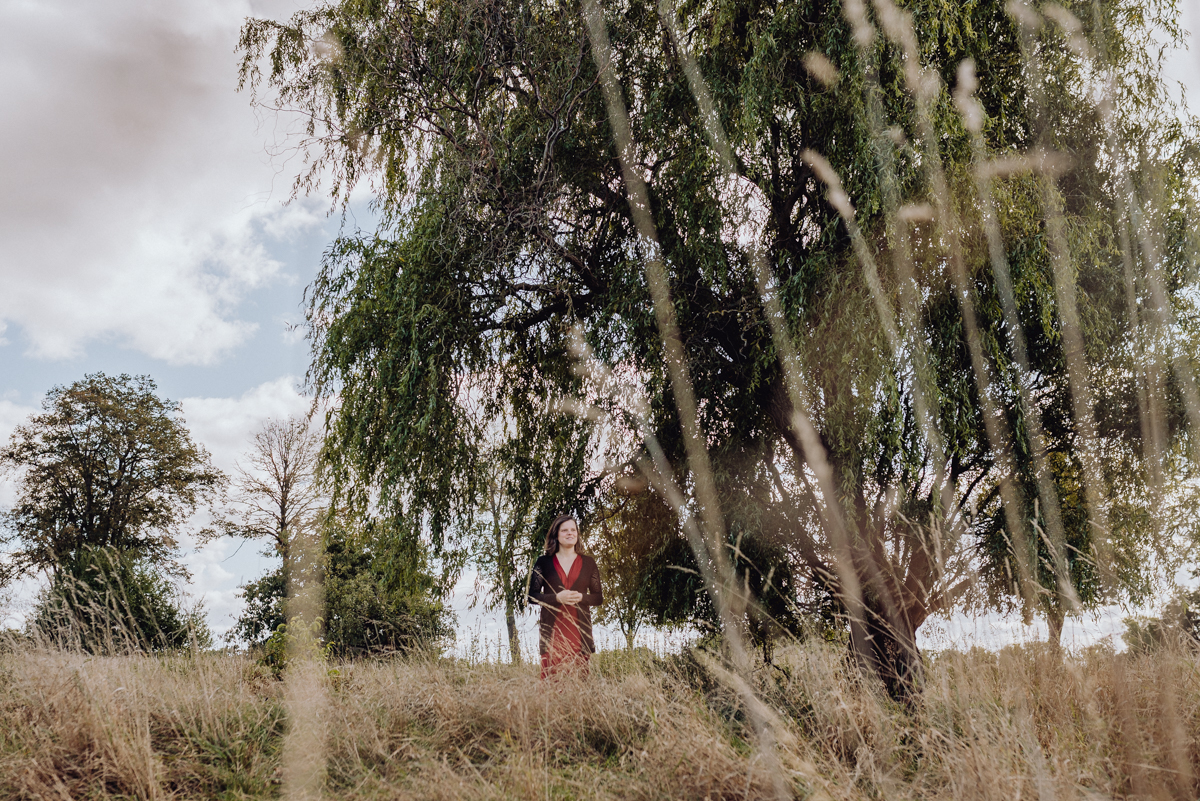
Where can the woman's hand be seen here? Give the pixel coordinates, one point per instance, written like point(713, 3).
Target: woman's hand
point(569, 597)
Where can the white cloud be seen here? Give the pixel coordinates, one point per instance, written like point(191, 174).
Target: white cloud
point(11, 416)
point(138, 189)
point(226, 425)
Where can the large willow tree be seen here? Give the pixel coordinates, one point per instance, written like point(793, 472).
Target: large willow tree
point(944, 269)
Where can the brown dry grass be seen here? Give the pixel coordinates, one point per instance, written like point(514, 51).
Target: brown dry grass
point(1026, 723)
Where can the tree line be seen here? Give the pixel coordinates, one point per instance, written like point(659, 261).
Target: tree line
point(109, 478)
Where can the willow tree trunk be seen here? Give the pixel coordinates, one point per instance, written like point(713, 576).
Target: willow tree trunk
point(885, 645)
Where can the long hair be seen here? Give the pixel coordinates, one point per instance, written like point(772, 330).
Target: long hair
point(552, 534)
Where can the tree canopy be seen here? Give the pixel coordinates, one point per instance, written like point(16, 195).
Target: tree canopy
point(949, 257)
point(106, 466)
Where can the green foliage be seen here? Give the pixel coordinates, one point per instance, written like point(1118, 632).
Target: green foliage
point(368, 606)
point(649, 578)
point(107, 601)
point(482, 129)
point(1178, 625)
point(273, 654)
point(615, 545)
point(371, 609)
point(264, 612)
point(231, 754)
point(300, 640)
point(106, 465)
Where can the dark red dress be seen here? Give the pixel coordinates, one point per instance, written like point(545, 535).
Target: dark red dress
point(564, 630)
point(565, 652)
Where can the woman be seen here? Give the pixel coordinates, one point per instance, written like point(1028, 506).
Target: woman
point(566, 585)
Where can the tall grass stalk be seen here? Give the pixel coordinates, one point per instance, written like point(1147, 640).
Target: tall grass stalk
point(305, 693)
point(710, 549)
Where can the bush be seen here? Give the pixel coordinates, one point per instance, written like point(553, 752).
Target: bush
point(264, 612)
point(363, 611)
point(366, 613)
point(1178, 625)
point(108, 601)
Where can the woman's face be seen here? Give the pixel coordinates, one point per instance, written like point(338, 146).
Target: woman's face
point(568, 534)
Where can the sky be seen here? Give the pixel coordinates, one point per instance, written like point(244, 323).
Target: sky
point(146, 228)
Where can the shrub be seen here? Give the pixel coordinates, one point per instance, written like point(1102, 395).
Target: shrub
point(1178, 625)
point(107, 601)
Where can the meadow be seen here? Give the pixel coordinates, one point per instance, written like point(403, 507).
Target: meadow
point(1027, 722)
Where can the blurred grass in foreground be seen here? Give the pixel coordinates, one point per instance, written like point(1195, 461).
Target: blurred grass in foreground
point(1027, 722)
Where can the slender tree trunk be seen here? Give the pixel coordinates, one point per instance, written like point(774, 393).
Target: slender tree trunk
point(510, 620)
point(510, 613)
point(504, 542)
point(1054, 620)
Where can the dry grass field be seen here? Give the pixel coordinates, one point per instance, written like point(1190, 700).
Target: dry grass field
point(1025, 723)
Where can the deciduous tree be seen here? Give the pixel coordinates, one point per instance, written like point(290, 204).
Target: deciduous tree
point(276, 494)
point(892, 306)
point(107, 465)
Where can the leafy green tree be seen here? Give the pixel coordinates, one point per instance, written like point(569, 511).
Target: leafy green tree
point(506, 224)
point(107, 601)
point(614, 544)
point(652, 577)
point(367, 605)
point(1108, 503)
point(265, 599)
point(368, 611)
point(108, 466)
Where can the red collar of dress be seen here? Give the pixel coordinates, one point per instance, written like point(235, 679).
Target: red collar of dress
point(568, 578)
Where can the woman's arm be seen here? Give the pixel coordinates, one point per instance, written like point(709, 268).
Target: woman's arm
point(593, 595)
point(540, 591)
